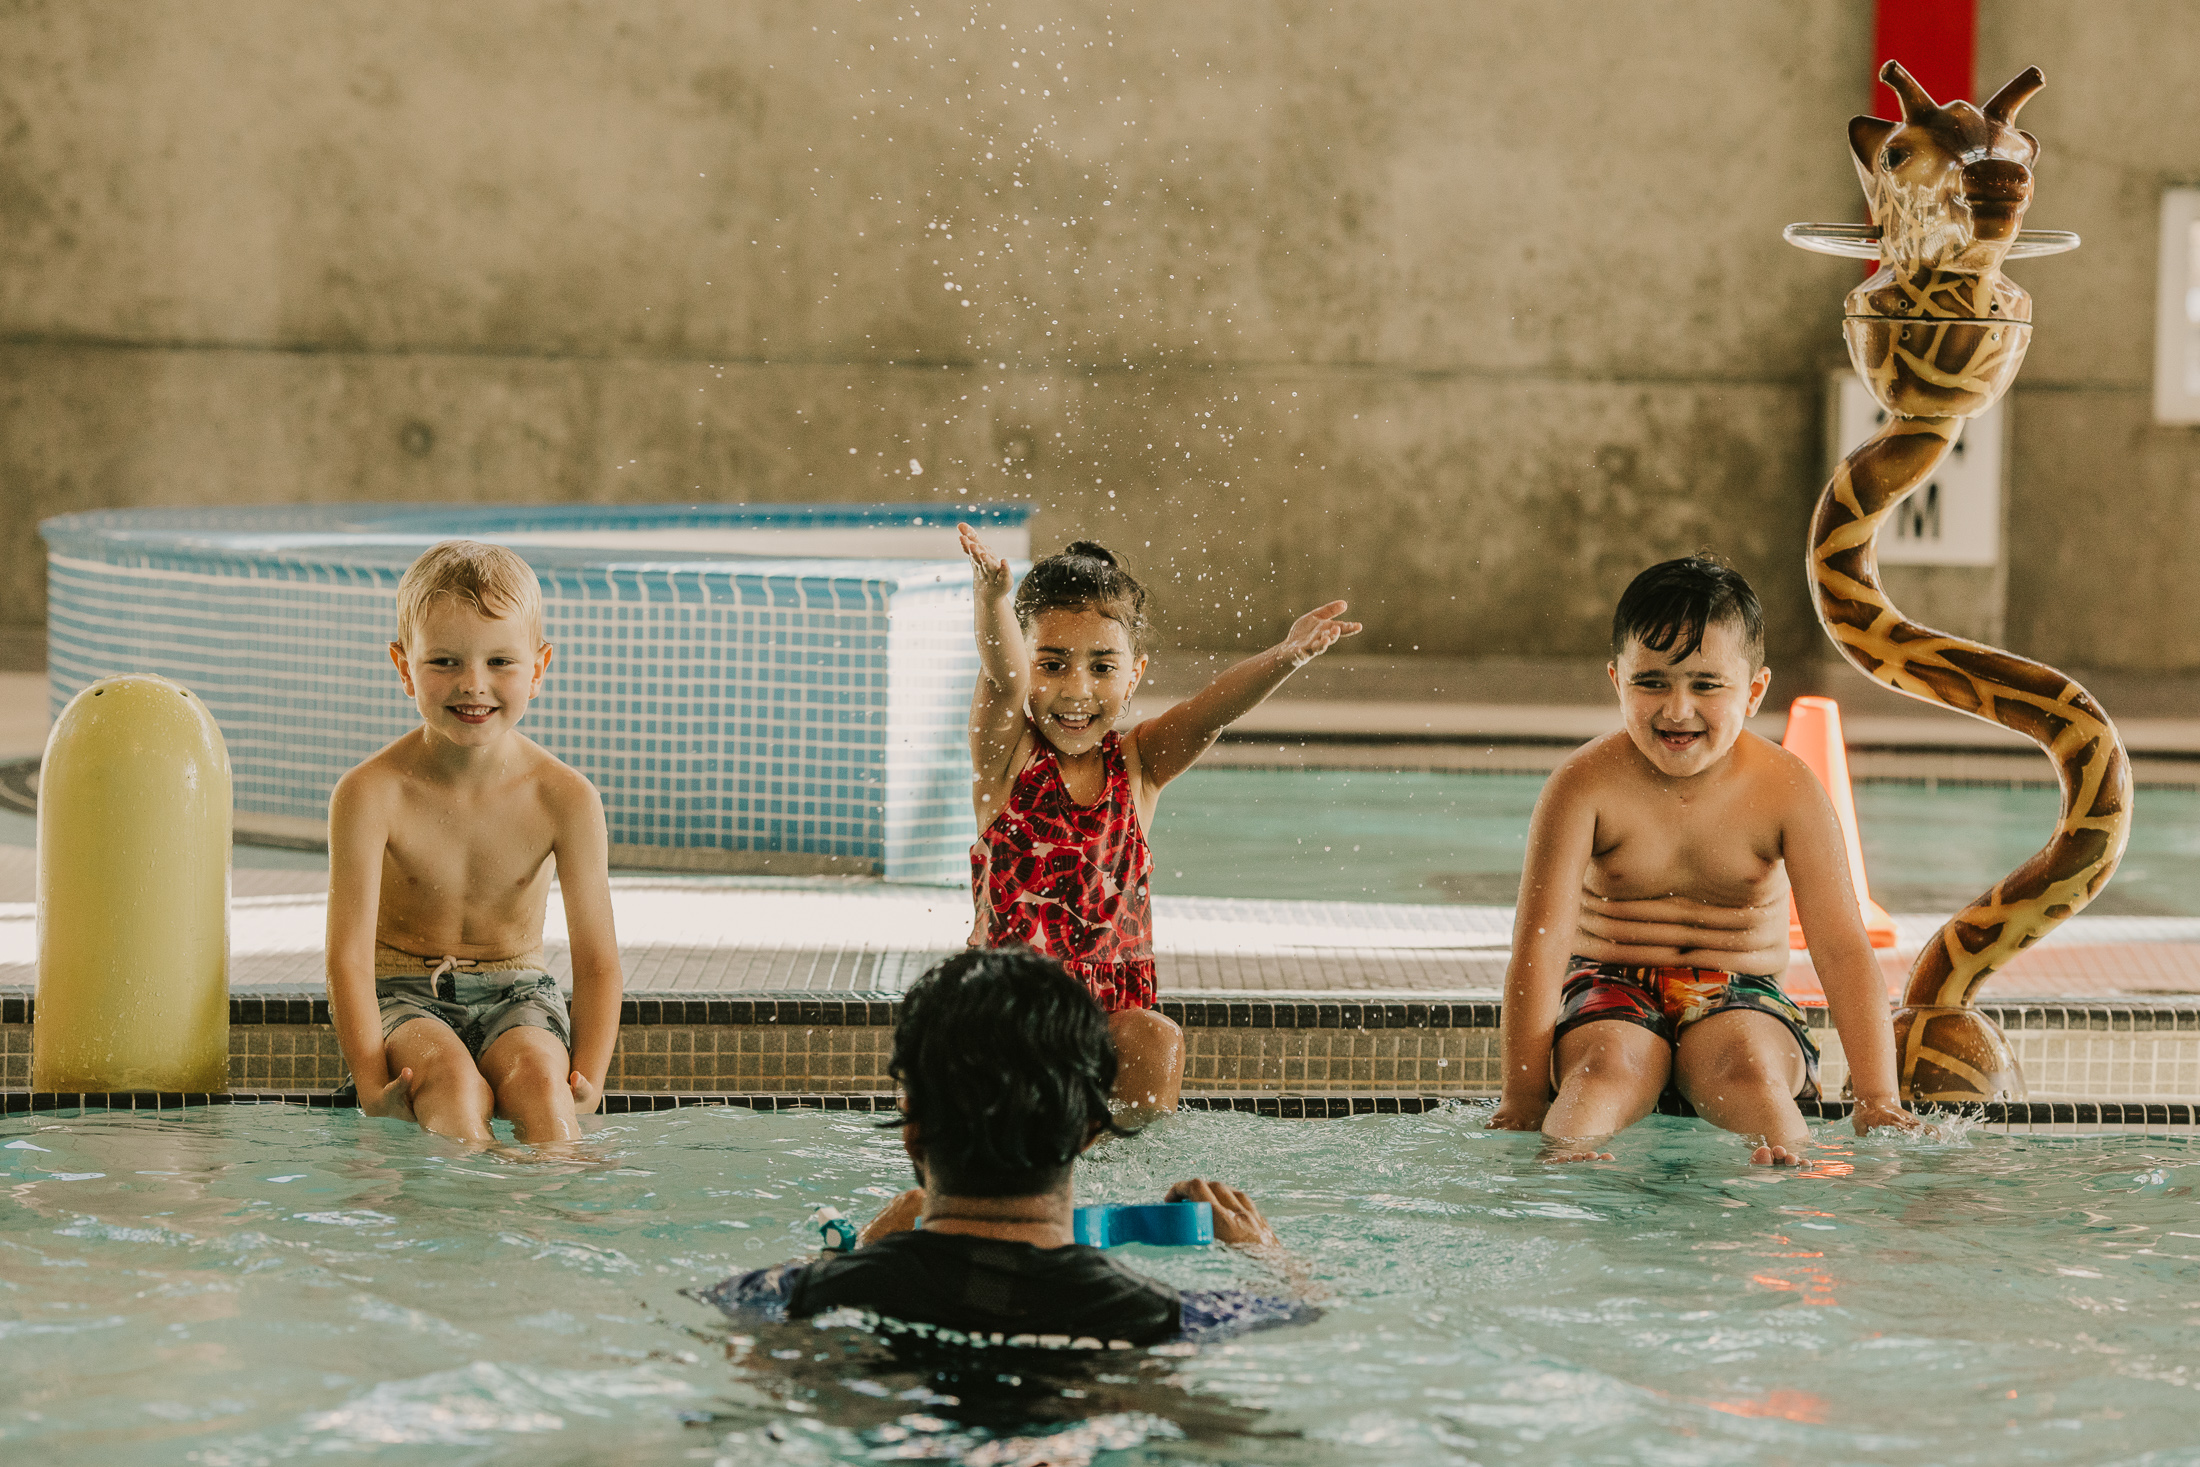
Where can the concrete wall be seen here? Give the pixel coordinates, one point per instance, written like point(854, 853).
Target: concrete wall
point(1446, 307)
point(2105, 503)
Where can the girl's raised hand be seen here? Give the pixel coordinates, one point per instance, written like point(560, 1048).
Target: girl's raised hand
point(988, 572)
point(1316, 632)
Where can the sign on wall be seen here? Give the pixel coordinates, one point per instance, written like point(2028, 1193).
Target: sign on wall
point(1955, 519)
point(2177, 310)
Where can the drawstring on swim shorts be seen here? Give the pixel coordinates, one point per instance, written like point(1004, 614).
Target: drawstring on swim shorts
point(448, 992)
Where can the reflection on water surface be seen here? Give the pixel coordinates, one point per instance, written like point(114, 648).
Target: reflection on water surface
point(1379, 835)
point(238, 1286)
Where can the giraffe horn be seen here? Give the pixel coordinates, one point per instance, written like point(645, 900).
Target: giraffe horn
point(1914, 98)
point(2019, 91)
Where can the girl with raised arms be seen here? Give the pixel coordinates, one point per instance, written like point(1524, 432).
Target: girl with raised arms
point(1064, 800)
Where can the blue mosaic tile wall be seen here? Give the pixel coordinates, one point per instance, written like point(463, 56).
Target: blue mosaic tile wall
point(721, 703)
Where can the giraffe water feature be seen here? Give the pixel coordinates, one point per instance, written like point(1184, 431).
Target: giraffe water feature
point(1938, 333)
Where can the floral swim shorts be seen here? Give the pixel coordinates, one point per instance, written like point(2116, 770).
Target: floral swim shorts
point(1667, 1000)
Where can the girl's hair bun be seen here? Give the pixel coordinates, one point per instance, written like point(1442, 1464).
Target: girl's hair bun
point(1084, 575)
point(1091, 551)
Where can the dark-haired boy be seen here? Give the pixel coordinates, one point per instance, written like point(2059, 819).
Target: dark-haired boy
point(1005, 1067)
point(1652, 926)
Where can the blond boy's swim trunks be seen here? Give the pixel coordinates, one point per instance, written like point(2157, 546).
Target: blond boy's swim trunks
point(1667, 1000)
point(480, 1001)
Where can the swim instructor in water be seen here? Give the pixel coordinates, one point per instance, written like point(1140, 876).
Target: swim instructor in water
point(1005, 1067)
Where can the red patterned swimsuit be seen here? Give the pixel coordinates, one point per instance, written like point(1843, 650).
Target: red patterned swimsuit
point(1071, 880)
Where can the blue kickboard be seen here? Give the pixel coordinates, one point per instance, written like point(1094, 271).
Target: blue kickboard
point(1164, 1224)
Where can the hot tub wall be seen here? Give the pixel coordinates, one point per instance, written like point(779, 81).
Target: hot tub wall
point(783, 716)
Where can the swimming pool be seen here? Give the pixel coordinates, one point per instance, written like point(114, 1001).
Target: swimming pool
point(1441, 837)
point(230, 1287)
point(1379, 835)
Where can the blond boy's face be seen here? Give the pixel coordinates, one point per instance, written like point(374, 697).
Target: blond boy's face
point(471, 676)
point(1685, 716)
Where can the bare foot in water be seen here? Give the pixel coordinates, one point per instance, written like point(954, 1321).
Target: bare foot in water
point(1560, 1149)
point(1775, 1156)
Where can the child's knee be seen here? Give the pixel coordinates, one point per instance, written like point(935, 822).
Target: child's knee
point(529, 1068)
point(1145, 1031)
point(1609, 1061)
point(1149, 1021)
point(1604, 1072)
point(536, 1072)
point(452, 1083)
point(1748, 1063)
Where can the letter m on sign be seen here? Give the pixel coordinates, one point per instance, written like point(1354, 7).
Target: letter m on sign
point(1918, 517)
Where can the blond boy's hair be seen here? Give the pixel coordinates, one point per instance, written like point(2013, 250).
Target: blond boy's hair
point(489, 578)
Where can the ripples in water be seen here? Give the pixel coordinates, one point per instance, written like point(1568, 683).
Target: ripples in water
point(234, 1286)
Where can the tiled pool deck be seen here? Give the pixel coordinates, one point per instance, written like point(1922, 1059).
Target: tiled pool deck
point(748, 986)
point(748, 935)
point(774, 992)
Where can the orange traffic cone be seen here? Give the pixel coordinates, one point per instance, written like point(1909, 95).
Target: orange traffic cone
point(1814, 736)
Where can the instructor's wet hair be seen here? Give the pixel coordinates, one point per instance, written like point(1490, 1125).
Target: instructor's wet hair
point(1668, 607)
point(1005, 1064)
point(1084, 576)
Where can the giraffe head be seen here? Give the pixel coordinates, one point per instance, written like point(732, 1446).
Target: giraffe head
point(1948, 185)
point(1938, 331)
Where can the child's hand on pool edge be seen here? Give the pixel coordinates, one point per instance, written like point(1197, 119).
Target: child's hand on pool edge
point(393, 1101)
point(898, 1216)
point(1518, 1115)
point(1237, 1220)
point(1882, 1110)
point(587, 1094)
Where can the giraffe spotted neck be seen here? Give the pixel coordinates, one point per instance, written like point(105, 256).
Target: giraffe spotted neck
point(1938, 334)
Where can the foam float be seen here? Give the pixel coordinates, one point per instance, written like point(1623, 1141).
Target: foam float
point(1159, 1224)
point(133, 894)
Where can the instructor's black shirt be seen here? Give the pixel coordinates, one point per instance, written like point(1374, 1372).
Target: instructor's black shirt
point(958, 1288)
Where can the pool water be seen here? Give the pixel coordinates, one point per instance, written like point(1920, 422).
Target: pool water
point(1381, 835)
point(240, 1286)
point(1391, 836)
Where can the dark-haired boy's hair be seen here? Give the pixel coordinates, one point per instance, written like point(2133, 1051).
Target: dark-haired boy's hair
point(1669, 606)
point(1005, 1064)
point(1084, 575)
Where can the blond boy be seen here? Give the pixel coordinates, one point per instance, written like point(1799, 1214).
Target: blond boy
point(442, 848)
point(1652, 927)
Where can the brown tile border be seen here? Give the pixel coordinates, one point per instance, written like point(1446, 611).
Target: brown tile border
point(17, 1006)
point(2128, 1115)
point(1193, 1011)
